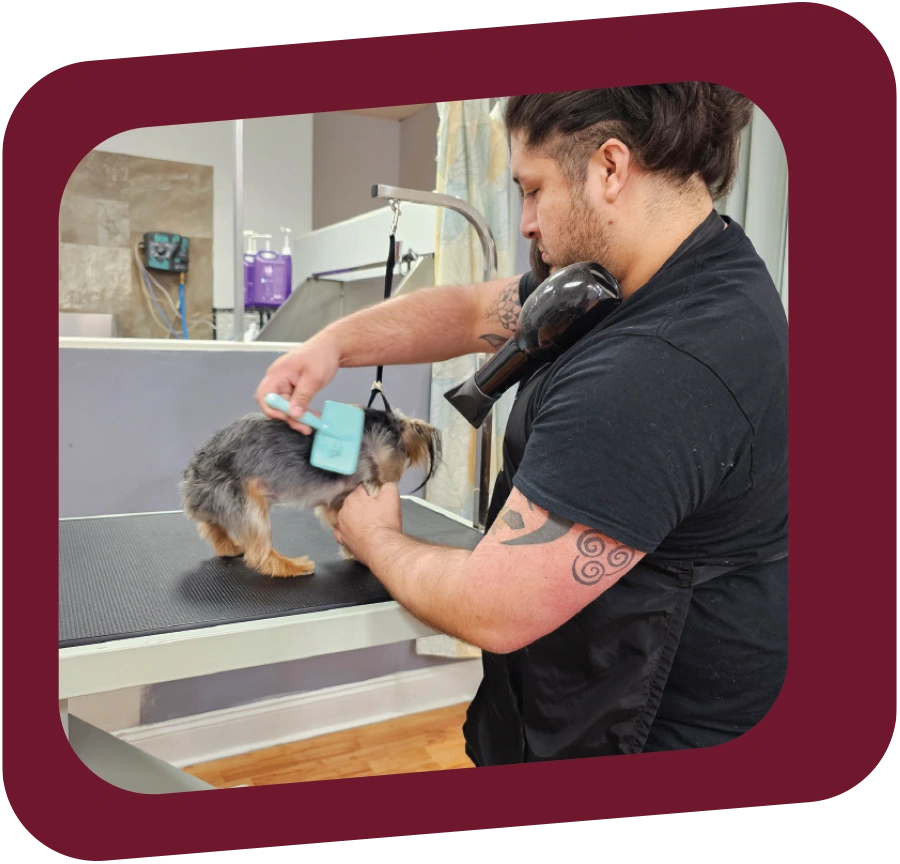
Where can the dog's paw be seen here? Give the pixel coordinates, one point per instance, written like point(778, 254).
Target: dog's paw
point(326, 516)
point(346, 554)
point(280, 567)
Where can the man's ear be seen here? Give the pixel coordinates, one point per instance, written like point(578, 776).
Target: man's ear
point(609, 169)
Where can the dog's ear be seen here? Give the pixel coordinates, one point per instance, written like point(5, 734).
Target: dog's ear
point(423, 444)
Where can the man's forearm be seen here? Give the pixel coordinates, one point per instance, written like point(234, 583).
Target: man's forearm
point(427, 326)
point(430, 581)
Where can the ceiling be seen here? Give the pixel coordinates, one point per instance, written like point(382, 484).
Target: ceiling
point(392, 112)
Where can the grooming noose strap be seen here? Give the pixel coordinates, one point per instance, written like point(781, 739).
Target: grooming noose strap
point(378, 387)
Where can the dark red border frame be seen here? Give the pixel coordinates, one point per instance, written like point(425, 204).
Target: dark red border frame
point(835, 716)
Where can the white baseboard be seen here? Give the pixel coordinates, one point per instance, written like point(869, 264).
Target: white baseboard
point(231, 731)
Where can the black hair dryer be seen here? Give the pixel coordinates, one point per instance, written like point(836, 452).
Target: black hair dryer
point(561, 310)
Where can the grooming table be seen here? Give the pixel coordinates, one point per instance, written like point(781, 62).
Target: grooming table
point(142, 599)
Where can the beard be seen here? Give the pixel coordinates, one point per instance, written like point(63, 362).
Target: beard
point(586, 238)
point(539, 267)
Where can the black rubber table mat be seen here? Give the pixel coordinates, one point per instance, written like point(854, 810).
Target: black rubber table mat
point(129, 576)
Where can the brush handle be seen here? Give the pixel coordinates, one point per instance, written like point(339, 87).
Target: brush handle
point(279, 403)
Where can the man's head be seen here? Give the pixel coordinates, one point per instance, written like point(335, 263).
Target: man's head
point(600, 169)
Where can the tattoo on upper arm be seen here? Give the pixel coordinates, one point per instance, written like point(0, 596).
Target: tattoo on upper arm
point(514, 520)
point(510, 518)
point(598, 559)
point(505, 309)
point(554, 528)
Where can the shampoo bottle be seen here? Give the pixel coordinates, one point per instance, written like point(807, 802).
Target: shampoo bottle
point(269, 282)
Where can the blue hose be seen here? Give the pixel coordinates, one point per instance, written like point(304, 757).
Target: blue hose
point(184, 333)
point(156, 304)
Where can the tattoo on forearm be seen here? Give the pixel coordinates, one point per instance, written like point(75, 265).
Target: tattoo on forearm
point(505, 309)
point(554, 528)
point(597, 561)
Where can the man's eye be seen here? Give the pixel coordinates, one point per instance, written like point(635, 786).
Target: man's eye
point(526, 195)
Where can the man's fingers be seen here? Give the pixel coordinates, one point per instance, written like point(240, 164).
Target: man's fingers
point(296, 424)
point(299, 401)
point(297, 398)
point(279, 384)
point(307, 387)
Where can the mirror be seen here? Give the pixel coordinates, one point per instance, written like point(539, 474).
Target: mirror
point(142, 202)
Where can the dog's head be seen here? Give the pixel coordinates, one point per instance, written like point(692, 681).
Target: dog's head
point(396, 442)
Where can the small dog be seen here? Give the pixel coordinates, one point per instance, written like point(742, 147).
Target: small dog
point(244, 468)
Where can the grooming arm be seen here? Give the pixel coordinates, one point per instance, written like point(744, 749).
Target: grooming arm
point(529, 575)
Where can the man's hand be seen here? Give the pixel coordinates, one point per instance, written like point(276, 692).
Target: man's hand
point(299, 375)
point(363, 521)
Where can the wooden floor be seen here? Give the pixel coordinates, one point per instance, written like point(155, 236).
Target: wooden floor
point(430, 741)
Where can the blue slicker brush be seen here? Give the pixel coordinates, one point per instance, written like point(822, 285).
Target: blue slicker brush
point(338, 434)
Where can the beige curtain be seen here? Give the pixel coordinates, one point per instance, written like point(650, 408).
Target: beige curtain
point(472, 164)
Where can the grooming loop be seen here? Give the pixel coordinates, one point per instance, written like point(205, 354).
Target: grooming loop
point(395, 206)
point(489, 258)
point(378, 387)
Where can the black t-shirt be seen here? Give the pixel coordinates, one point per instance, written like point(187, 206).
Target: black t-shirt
point(665, 428)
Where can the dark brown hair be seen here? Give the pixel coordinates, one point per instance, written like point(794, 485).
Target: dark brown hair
point(681, 130)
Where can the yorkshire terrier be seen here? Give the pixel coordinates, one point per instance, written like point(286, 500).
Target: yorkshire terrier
point(244, 468)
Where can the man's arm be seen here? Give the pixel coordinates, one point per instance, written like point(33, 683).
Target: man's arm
point(427, 326)
point(530, 573)
point(430, 325)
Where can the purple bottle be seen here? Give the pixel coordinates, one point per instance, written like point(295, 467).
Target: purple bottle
point(271, 279)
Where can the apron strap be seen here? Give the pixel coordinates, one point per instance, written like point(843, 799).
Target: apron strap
point(704, 572)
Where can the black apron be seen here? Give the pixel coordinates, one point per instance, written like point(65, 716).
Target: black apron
point(592, 687)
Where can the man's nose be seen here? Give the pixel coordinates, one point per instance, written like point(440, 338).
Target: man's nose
point(528, 224)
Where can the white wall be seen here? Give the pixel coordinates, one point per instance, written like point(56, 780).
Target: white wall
point(278, 175)
point(418, 150)
point(277, 178)
point(352, 153)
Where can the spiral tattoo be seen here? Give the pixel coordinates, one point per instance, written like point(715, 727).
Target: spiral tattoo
point(597, 562)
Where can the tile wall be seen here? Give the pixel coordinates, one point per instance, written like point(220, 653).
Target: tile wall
point(109, 202)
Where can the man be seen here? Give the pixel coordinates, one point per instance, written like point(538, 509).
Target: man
point(630, 593)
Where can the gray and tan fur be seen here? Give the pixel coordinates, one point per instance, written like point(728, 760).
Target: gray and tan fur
point(255, 462)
